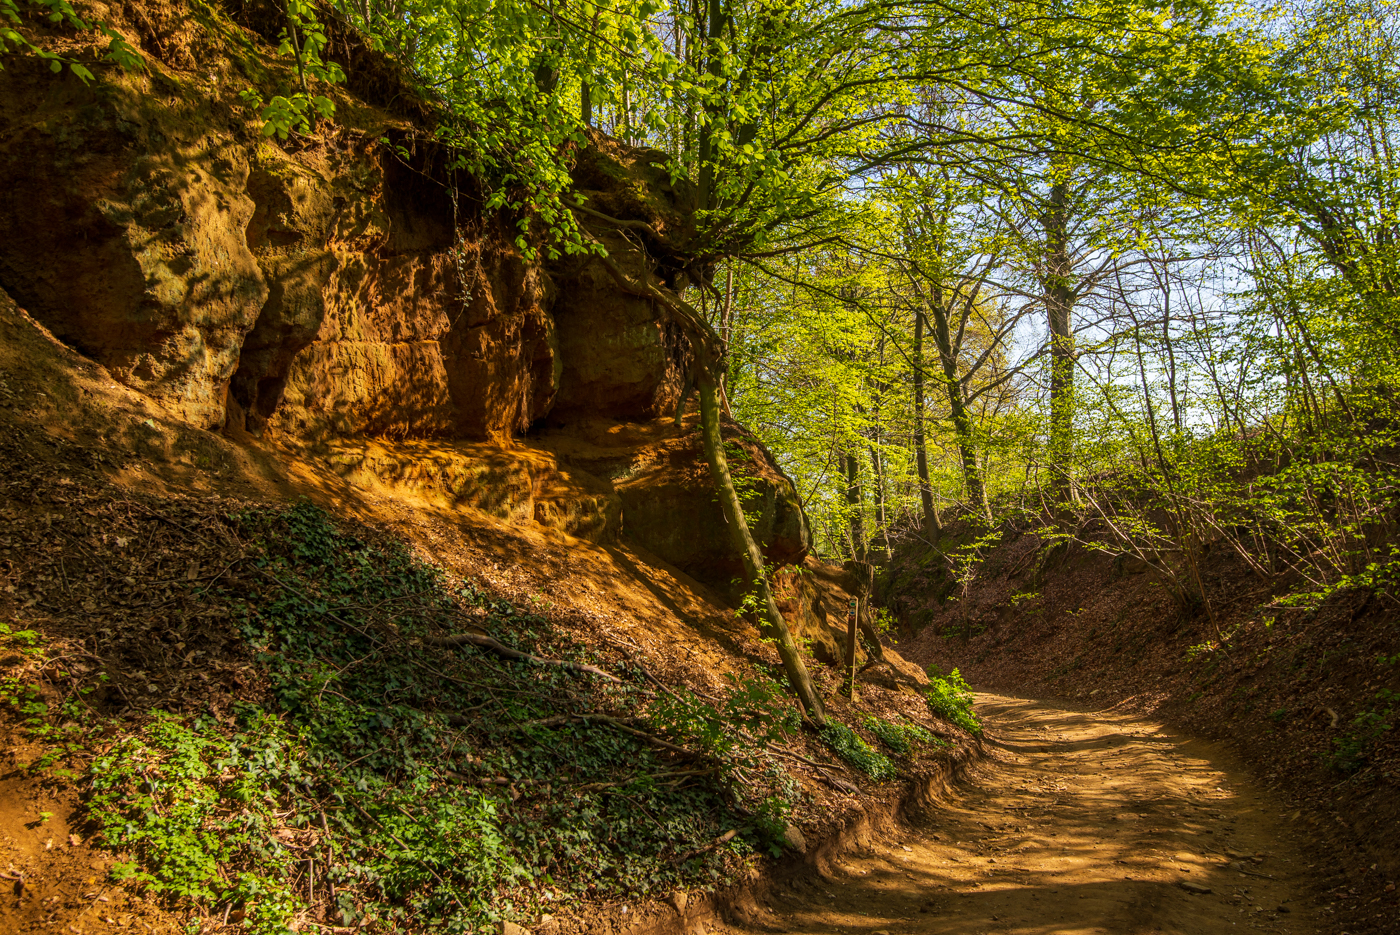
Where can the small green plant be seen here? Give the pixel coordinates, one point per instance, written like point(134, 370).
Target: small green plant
point(848, 745)
point(304, 39)
point(951, 698)
point(899, 737)
point(885, 622)
point(755, 713)
point(221, 819)
point(60, 12)
point(1353, 749)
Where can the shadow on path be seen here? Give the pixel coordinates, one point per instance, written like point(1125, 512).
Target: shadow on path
point(1091, 823)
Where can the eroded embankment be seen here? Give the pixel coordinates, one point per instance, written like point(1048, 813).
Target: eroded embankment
point(1303, 694)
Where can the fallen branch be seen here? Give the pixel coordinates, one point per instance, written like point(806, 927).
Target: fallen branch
point(481, 641)
point(599, 786)
point(625, 727)
point(823, 771)
point(622, 724)
point(839, 784)
point(720, 841)
point(634, 657)
point(1239, 867)
point(783, 751)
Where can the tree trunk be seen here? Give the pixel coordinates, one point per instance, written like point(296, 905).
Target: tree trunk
point(707, 368)
point(855, 503)
point(715, 20)
point(749, 551)
point(1055, 281)
point(877, 470)
point(972, 472)
point(957, 406)
point(881, 539)
point(933, 526)
point(848, 670)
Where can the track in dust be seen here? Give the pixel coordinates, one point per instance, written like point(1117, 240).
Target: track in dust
point(1081, 823)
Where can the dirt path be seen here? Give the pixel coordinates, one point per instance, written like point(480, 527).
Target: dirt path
point(1082, 823)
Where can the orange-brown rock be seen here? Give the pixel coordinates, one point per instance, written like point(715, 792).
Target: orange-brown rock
point(122, 228)
point(668, 500)
point(342, 295)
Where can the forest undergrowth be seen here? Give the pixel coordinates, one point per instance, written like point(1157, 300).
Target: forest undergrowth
point(274, 717)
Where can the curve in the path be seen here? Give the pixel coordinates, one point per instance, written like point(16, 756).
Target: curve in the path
point(1079, 824)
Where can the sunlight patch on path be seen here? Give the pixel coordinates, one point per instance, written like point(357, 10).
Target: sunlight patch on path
point(1080, 824)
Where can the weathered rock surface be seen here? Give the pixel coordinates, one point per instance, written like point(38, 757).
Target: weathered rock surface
point(333, 296)
point(668, 501)
point(896, 673)
point(123, 232)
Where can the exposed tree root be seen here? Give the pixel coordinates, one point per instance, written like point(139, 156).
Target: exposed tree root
point(482, 641)
point(717, 842)
point(623, 724)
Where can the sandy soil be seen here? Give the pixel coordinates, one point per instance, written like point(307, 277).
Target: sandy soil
point(1082, 823)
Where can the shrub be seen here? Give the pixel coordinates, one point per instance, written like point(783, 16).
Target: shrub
point(951, 698)
point(847, 744)
point(899, 737)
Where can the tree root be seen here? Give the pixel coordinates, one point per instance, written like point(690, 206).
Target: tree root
point(616, 222)
point(622, 724)
point(481, 641)
point(679, 775)
point(720, 841)
point(823, 771)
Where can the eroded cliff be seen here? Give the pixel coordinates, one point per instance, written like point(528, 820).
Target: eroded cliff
point(342, 300)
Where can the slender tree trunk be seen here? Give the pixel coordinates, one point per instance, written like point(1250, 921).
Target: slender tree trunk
point(726, 326)
point(708, 354)
point(1055, 281)
point(933, 526)
point(967, 449)
point(626, 108)
point(877, 462)
point(715, 21)
point(749, 551)
point(877, 469)
point(957, 407)
point(855, 503)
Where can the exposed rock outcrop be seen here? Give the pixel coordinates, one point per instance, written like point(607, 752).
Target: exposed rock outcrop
point(344, 297)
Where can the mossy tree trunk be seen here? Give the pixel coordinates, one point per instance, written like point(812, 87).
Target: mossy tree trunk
point(742, 538)
point(708, 371)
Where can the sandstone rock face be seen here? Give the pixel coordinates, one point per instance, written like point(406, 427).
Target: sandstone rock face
point(520, 485)
point(385, 316)
point(334, 295)
point(669, 506)
point(896, 673)
point(816, 604)
point(620, 359)
point(123, 233)
point(321, 293)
